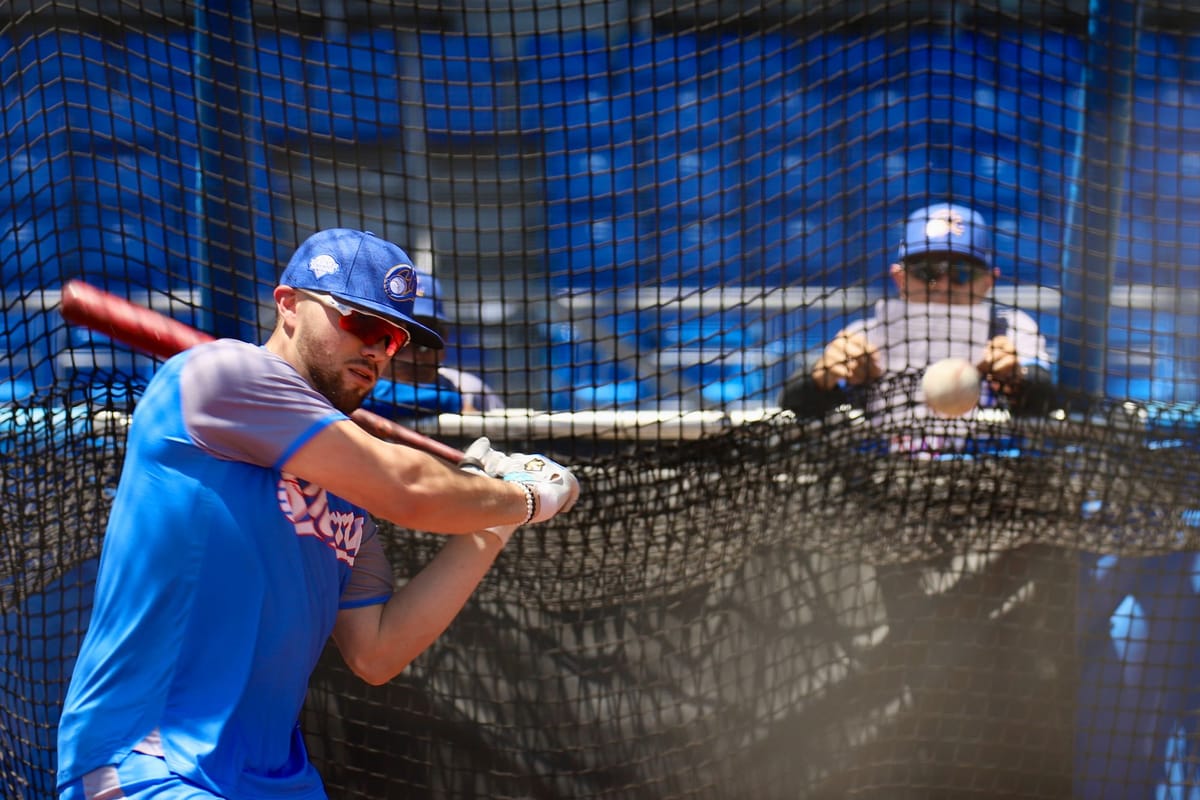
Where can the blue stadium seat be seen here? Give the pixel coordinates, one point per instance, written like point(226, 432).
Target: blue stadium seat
point(687, 185)
point(141, 95)
point(1157, 58)
point(705, 253)
point(34, 175)
point(718, 329)
point(664, 59)
point(594, 252)
point(582, 377)
point(797, 249)
point(1046, 66)
point(131, 220)
point(777, 183)
point(44, 86)
point(1028, 246)
point(353, 86)
point(552, 57)
point(1008, 180)
point(280, 59)
point(1031, 52)
point(159, 69)
point(459, 79)
point(799, 119)
point(600, 181)
point(35, 245)
point(596, 120)
point(728, 382)
point(682, 116)
point(25, 365)
point(556, 71)
point(837, 63)
point(1153, 355)
point(755, 73)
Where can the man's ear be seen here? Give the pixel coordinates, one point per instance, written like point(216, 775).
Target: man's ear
point(898, 278)
point(285, 303)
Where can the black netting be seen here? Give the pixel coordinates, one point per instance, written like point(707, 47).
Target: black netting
point(645, 219)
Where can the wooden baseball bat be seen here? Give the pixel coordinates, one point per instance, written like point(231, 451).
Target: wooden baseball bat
point(155, 334)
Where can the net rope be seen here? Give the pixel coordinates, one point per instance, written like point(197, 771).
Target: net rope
point(670, 209)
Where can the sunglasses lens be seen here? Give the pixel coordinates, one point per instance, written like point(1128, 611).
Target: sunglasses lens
point(372, 329)
point(960, 272)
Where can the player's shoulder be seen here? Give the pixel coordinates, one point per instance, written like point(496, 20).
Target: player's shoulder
point(233, 356)
point(1015, 315)
point(226, 366)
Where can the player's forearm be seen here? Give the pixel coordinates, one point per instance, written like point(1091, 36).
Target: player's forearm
point(406, 486)
point(419, 612)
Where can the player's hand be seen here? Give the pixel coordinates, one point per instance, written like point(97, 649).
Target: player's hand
point(554, 488)
point(481, 458)
point(850, 358)
point(999, 363)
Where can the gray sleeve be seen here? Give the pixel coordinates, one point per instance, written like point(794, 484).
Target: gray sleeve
point(371, 580)
point(243, 403)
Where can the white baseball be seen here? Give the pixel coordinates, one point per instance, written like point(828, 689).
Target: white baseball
point(951, 387)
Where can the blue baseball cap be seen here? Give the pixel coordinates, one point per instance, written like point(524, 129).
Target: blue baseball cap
point(427, 304)
point(365, 273)
point(947, 228)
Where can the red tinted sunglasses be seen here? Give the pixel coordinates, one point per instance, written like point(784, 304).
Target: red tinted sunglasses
point(370, 329)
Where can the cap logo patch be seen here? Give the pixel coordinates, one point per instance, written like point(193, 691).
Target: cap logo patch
point(323, 265)
point(949, 223)
point(400, 283)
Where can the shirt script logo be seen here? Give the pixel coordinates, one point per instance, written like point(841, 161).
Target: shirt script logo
point(306, 506)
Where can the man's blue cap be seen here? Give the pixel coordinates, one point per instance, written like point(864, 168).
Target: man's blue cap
point(365, 273)
point(947, 228)
point(428, 304)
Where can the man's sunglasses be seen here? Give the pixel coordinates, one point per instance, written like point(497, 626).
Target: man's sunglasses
point(961, 270)
point(370, 329)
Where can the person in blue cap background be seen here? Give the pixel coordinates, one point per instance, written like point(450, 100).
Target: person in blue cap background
point(944, 276)
point(242, 538)
point(418, 383)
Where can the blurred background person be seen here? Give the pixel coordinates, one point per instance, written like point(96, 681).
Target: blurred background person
point(944, 277)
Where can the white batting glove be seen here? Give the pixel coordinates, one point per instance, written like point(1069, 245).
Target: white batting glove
point(553, 488)
point(478, 456)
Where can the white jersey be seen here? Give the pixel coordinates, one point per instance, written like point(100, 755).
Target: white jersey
point(912, 336)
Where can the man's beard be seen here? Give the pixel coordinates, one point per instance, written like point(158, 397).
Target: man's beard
point(331, 384)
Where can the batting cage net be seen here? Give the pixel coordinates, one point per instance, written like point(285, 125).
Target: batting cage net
point(646, 222)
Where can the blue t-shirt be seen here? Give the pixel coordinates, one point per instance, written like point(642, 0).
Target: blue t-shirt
point(219, 583)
